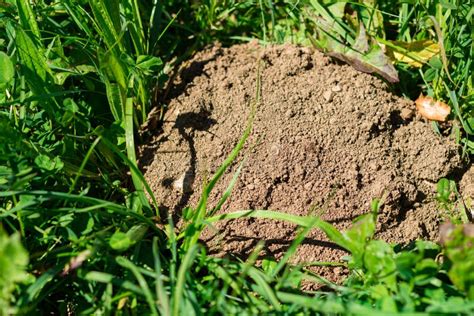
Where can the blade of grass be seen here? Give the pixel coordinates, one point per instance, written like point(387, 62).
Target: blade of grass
point(228, 191)
point(185, 265)
point(124, 262)
point(36, 70)
point(107, 22)
point(83, 163)
point(134, 169)
point(96, 203)
point(263, 288)
point(130, 146)
point(28, 19)
point(304, 221)
point(135, 26)
point(196, 224)
point(159, 286)
point(294, 246)
point(107, 278)
point(439, 33)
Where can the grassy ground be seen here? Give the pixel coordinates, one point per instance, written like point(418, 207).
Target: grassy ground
point(77, 233)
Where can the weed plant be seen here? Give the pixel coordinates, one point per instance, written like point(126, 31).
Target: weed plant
point(78, 234)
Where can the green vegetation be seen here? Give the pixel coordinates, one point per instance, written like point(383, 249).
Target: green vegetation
point(78, 234)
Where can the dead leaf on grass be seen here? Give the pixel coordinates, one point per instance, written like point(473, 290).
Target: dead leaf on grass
point(365, 55)
point(432, 109)
point(76, 262)
point(414, 53)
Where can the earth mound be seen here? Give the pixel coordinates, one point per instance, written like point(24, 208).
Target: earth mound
point(326, 140)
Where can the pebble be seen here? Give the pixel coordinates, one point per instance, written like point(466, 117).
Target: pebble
point(289, 113)
point(338, 270)
point(184, 183)
point(328, 95)
point(336, 88)
point(406, 114)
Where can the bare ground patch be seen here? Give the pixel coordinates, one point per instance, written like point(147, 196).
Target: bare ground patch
point(326, 140)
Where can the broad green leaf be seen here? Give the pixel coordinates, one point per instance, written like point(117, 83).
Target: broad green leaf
point(13, 262)
point(70, 105)
point(337, 9)
point(426, 270)
point(61, 76)
point(32, 57)
point(444, 189)
point(149, 63)
point(85, 69)
point(7, 71)
point(115, 98)
point(469, 126)
point(136, 233)
point(331, 24)
point(120, 241)
point(107, 22)
point(380, 264)
point(459, 250)
point(49, 164)
point(362, 230)
point(114, 69)
point(268, 265)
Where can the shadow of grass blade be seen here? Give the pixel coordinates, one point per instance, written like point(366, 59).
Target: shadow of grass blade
point(294, 246)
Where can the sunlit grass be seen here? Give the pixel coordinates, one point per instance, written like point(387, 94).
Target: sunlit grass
point(78, 79)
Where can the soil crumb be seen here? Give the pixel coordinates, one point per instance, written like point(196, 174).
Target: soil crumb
point(326, 140)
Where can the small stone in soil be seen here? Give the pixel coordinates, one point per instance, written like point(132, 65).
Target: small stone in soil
point(328, 95)
point(336, 88)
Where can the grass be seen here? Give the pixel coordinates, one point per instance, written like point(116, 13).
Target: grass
point(79, 236)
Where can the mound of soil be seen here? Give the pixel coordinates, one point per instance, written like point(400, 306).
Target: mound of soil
point(326, 140)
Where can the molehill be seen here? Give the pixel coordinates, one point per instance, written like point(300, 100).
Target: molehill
point(326, 140)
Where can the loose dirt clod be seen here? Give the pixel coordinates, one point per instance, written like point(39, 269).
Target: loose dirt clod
point(326, 140)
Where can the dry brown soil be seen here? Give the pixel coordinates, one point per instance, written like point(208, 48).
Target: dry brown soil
point(326, 140)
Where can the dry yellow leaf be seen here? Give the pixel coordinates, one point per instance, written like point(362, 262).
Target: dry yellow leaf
point(415, 53)
point(432, 109)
